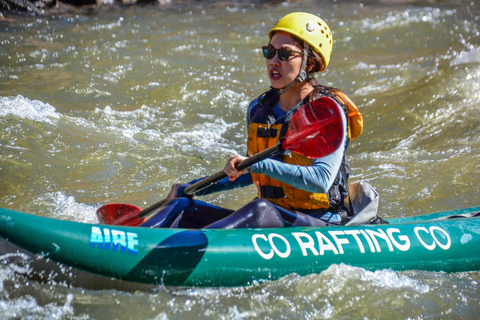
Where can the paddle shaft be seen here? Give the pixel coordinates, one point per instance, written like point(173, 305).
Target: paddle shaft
point(190, 190)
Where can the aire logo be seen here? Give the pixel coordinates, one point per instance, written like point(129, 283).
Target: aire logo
point(115, 240)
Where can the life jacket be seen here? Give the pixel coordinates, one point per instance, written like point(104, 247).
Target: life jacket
point(265, 130)
point(354, 118)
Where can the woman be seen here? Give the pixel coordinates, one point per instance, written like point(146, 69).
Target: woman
point(293, 190)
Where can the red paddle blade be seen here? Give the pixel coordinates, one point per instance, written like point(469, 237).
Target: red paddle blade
point(316, 130)
point(119, 214)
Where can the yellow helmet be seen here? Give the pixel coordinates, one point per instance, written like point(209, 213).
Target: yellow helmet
point(310, 29)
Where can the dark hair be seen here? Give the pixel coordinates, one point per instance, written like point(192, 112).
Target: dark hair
point(315, 63)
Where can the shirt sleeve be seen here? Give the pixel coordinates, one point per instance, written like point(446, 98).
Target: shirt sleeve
point(317, 178)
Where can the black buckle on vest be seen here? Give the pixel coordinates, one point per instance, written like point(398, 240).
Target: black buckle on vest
point(272, 192)
point(264, 132)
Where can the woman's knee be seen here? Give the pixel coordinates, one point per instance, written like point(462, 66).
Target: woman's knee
point(261, 206)
point(259, 213)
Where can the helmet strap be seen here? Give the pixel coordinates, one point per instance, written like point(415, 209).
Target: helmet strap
point(302, 75)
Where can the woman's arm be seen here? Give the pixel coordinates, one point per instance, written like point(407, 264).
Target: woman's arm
point(317, 178)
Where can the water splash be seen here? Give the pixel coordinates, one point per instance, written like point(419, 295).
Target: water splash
point(25, 108)
point(467, 56)
point(67, 208)
point(395, 19)
point(28, 307)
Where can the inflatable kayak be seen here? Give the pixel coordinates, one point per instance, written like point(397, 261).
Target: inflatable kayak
point(110, 256)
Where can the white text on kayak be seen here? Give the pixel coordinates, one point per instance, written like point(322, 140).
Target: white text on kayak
point(318, 243)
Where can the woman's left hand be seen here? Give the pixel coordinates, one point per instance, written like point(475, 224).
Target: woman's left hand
point(231, 167)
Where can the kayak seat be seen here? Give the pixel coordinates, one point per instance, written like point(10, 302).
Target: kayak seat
point(362, 201)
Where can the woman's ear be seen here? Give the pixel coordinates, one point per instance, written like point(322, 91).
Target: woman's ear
point(312, 65)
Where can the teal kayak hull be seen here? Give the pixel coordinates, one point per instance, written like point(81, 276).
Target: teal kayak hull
point(181, 257)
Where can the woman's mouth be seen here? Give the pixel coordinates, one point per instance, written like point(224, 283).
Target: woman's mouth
point(275, 75)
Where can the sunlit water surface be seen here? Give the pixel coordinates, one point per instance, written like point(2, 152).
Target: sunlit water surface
point(118, 105)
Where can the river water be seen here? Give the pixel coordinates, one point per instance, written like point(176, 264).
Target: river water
point(116, 105)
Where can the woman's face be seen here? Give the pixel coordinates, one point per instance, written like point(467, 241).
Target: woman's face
point(282, 73)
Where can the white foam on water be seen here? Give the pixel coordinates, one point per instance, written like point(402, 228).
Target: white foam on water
point(27, 307)
point(466, 56)
point(390, 279)
point(125, 124)
point(315, 296)
point(12, 263)
point(108, 26)
point(394, 19)
point(35, 110)
point(207, 135)
point(67, 208)
point(341, 274)
point(120, 124)
point(146, 124)
point(25, 108)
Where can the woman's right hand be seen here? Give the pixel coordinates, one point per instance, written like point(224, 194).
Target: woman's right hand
point(231, 167)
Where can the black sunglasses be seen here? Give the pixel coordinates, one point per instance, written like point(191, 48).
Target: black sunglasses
point(284, 54)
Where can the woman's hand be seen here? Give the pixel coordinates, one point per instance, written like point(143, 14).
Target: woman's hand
point(175, 193)
point(231, 167)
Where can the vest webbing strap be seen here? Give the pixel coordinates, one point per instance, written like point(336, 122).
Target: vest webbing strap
point(272, 192)
point(264, 132)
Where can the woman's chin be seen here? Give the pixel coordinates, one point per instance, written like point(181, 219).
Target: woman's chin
point(276, 85)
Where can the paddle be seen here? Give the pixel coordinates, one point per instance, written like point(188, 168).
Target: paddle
point(316, 130)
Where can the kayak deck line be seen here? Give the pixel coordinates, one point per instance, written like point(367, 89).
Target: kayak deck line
point(461, 216)
point(460, 213)
point(131, 256)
